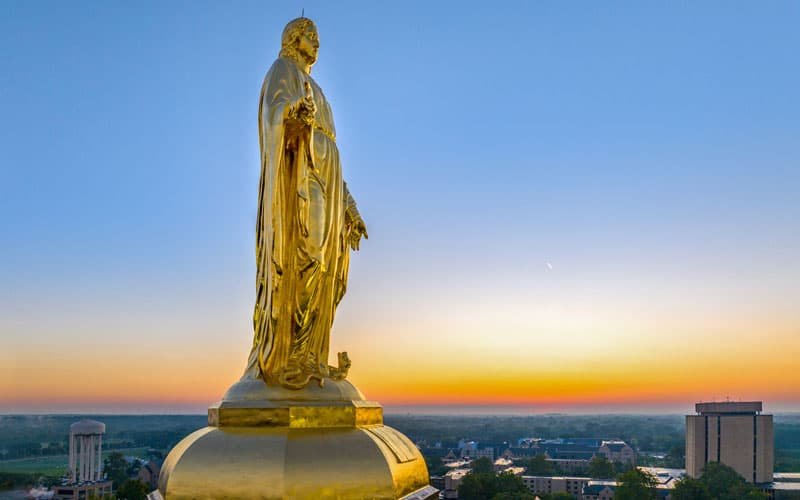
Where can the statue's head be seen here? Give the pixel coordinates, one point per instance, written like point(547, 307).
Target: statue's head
point(300, 41)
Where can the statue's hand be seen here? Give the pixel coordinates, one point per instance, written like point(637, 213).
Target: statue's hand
point(306, 109)
point(357, 230)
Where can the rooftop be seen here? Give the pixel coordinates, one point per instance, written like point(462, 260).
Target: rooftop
point(615, 445)
point(729, 408)
point(458, 473)
point(565, 478)
point(787, 477)
point(517, 471)
point(595, 487)
point(777, 486)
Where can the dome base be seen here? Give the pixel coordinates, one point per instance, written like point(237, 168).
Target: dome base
point(300, 448)
point(251, 388)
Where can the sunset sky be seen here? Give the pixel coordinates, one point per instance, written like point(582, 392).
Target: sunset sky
point(572, 206)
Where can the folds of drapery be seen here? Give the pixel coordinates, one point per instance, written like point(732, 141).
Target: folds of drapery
point(302, 254)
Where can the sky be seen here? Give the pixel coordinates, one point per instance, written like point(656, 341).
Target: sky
point(572, 206)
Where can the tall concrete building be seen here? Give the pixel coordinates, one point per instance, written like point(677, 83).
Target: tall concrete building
point(734, 433)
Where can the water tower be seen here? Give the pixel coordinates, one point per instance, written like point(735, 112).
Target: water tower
point(85, 451)
point(85, 475)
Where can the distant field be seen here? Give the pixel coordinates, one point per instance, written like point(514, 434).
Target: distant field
point(55, 465)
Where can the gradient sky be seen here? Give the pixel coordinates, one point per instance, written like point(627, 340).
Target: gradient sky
point(572, 206)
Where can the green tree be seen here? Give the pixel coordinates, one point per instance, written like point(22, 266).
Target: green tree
point(601, 468)
point(477, 486)
point(482, 465)
point(435, 466)
point(116, 468)
point(487, 485)
point(508, 483)
point(676, 457)
point(133, 468)
point(724, 483)
point(517, 496)
point(538, 466)
point(636, 485)
point(556, 496)
point(133, 489)
point(94, 496)
point(691, 489)
point(621, 468)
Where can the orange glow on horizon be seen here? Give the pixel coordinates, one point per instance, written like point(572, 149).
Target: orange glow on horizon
point(670, 376)
point(542, 362)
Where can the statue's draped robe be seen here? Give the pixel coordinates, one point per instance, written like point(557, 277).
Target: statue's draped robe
point(302, 249)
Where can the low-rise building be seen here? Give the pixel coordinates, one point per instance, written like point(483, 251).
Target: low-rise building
point(473, 450)
point(516, 453)
point(545, 485)
point(617, 451)
point(782, 491)
point(148, 473)
point(437, 482)
point(451, 481)
point(666, 477)
point(578, 450)
point(605, 490)
point(81, 491)
point(570, 466)
point(599, 490)
point(450, 457)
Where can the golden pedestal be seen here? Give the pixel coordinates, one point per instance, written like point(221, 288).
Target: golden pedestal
point(318, 443)
point(295, 438)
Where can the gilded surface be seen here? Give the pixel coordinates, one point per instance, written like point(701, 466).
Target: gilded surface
point(402, 448)
point(329, 414)
point(283, 463)
point(288, 438)
point(307, 222)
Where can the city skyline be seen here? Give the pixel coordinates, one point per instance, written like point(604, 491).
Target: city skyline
point(571, 208)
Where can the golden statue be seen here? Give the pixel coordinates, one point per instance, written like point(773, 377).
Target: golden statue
point(274, 435)
point(307, 220)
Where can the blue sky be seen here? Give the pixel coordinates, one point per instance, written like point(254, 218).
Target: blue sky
point(589, 158)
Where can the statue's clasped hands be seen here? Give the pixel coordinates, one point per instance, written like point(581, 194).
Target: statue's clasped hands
point(306, 109)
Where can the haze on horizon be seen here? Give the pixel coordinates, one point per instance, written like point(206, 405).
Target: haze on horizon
point(571, 207)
